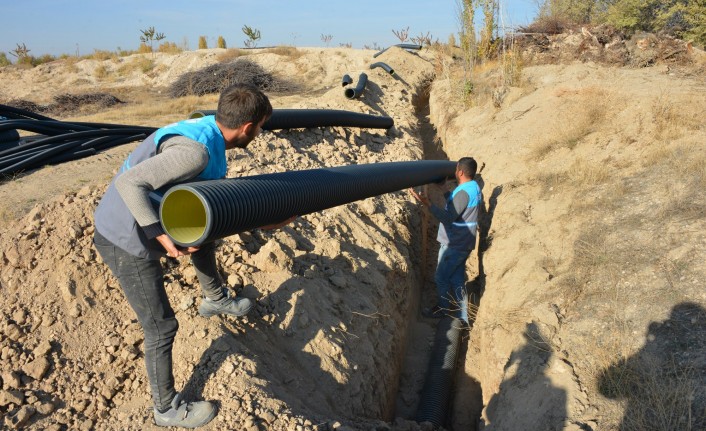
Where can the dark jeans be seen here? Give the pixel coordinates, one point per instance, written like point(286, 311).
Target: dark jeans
point(142, 281)
point(450, 281)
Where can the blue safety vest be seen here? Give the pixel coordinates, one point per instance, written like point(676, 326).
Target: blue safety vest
point(112, 217)
point(461, 233)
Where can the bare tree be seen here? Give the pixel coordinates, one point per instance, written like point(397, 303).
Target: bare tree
point(326, 38)
point(402, 34)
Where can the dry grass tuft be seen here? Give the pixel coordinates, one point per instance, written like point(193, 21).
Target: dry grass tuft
point(580, 116)
point(584, 173)
point(141, 64)
point(285, 51)
point(231, 54)
point(673, 121)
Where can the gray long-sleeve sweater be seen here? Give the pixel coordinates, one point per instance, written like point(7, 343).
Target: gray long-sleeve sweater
point(178, 159)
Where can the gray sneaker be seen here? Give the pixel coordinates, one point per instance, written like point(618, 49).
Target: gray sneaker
point(185, 415)
point(226, 305)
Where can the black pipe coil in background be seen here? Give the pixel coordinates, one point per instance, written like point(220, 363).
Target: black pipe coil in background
point(307, 118)
point(436, 393)
point(55, 141)
point(354, 93)
point(10, 136)
point(240, 204)
point(384, 66)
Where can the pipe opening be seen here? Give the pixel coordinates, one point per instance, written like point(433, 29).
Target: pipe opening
point(184, 216)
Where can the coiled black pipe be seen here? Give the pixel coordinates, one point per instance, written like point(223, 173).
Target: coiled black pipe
point(194, 213)
point(56, 141)
point(346, 80)
point(400, 45)
point(306, 118)
point(354, 93)
point(10, 136)
point(387, 68)
point(436, 393)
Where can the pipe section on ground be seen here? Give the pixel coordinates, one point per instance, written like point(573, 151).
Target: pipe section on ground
point(354, 93)
point(307, 118)
point(346, 80)
point(194, 213)
point(436, 393)
point(385, 66)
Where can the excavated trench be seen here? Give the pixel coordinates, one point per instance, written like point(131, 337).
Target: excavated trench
point(465, 400)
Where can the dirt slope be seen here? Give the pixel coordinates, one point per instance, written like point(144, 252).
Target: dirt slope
point(594, 237)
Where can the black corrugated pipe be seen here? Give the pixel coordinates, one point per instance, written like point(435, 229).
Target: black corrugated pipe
point(436, 393)
point(387, 68)
point(400, 45)
point(354, 93)
point(194, 213)
point(306, 118)
point(346, 80)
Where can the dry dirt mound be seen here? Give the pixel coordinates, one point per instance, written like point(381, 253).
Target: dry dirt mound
point(333, 291)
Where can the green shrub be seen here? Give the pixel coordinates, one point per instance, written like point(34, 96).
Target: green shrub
point(4, 61)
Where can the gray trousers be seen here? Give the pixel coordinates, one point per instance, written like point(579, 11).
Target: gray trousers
point(142, 281)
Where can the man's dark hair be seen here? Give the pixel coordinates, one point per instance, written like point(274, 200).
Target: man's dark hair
point(240, 104)
point(468, 166)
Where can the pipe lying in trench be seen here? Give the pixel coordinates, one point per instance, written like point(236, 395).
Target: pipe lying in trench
point(436, 393)
point(385, 66)
point(194, 213)
point(354, 93)
point(307, 118)
point(346, 80)
point(400, 45)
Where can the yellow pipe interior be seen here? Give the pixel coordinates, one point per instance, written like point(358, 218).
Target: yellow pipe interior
point(183, 216)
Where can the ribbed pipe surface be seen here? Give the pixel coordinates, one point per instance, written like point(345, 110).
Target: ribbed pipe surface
point(436, 393)
point(306, 118)
point(194, 213)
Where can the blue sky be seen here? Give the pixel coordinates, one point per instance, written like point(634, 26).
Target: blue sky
point(66, 26)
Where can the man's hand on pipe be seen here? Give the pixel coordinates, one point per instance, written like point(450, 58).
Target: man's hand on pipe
point(278, 225)
point(171, 248)
point(420, 197)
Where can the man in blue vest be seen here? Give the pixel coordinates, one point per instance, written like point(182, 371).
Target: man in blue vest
point(458, 224)
point(130, 239)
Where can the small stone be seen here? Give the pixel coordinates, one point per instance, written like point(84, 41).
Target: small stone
point(74, 310)
point(42, 349)
point(21, 417)
point(11, 397)
point(268, 417)
point(11, 380)
point(37, 368)
point(45, 409)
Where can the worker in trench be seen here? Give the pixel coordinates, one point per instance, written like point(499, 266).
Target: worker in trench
point(458, 226)
point(131, 241)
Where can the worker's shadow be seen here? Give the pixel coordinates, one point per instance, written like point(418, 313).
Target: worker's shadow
point(528, 400)
point(296, 346)
point(664, 382)
point(476, 286)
